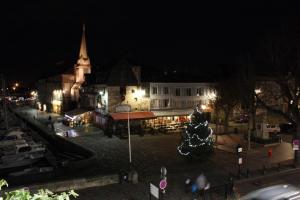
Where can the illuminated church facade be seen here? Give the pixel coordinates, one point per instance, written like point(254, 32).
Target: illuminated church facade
point(60, 93)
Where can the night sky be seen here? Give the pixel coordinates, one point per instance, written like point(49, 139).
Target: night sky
point(44, 37)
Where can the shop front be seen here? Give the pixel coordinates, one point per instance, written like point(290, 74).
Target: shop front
point(172, 120)
point(78, 117)
point(138, 122)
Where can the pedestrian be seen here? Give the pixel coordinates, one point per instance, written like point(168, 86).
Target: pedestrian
point(67, 133)
point(49, 118)
point(202, 184)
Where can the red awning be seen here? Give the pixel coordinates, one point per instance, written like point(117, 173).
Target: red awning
point(132, 115)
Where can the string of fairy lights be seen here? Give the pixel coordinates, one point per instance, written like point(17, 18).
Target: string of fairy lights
point(189, 142)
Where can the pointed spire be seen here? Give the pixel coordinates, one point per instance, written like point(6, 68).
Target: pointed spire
point(83, 49)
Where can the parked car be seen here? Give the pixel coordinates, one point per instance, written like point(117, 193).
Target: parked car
point(276, 192)
point(243, 118)
point(287, 127)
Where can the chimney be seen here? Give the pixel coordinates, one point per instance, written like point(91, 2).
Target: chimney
point(137, 73)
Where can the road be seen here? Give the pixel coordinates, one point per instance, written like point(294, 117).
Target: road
point(151, 152)
point(291, 177)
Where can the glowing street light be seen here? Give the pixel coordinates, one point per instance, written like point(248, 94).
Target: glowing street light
point(203, 107)
point(257, 91)
point(139, 93)
point(16, 84)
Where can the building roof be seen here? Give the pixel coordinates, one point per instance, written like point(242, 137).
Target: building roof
point(122, 74)
point(77, 111)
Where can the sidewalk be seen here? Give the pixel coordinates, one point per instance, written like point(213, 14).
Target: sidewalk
point(59, 127)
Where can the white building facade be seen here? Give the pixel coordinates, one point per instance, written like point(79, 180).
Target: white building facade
point(170, 96)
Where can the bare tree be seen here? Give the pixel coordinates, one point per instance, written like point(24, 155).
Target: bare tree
point(246, 86)
point(226, 99)
point(282, 54)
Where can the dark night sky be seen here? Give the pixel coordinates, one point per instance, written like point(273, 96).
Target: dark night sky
point(40, 35)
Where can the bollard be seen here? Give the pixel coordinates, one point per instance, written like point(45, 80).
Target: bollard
point(264, 169)
point(133, 177)
point(188, 184)
point(226, 192)
point(270, 153)
point(248, 173)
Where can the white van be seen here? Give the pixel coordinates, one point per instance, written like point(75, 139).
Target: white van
point(264, 130)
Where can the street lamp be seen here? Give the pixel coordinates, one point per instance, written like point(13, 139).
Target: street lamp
point(129, 139)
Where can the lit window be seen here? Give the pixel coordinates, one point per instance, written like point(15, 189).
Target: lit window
point(199, 91)
point(166, 102)
point(154, 90)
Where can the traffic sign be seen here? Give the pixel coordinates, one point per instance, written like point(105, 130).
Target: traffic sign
point(154, 191)
point(163, 184)
point(240, 149)
point(240, 161)
point(296, 145)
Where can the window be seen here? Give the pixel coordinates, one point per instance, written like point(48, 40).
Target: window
point(166, 103)
point(188, 92)
point(199, 91)
point(177, 91)
point(154, 103)
point(154, 90)
point(166, 90)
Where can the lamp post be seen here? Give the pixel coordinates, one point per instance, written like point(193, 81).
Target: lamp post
point(4, 102)
point(129, 140)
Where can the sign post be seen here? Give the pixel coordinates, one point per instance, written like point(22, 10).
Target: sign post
point(239, 151)
point(163, 181)
point(295, 148)
point(129, 140)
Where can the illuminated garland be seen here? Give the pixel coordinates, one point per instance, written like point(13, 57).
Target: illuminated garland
point(193, 137)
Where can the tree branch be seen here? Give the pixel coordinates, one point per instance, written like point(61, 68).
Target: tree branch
point(269, 108)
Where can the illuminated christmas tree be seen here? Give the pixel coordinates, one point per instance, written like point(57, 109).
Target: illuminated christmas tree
point(197, 139)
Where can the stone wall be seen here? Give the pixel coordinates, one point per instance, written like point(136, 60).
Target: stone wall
point(136, 102)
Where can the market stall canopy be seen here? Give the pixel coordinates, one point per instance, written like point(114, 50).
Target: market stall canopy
point(132, 115)
point(77, 111)
point(165, 113)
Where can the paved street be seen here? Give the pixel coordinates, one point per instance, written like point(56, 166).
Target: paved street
point(151, 152)
point(292, 177)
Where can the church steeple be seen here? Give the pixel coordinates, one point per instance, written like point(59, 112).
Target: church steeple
point(83, 56)
point(81, 68)
point(83, 49)
point(83, 65)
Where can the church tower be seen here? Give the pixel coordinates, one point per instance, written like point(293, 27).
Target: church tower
point(82, 67)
